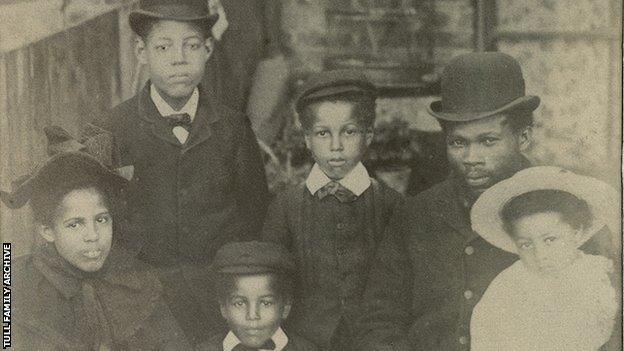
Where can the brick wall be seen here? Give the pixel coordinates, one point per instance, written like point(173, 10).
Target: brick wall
point(567, 54)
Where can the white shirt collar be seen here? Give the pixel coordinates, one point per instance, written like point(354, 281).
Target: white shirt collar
point(279, 338)
point(357, 180)
point(165, 109)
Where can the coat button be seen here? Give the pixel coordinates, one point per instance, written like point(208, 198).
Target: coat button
point(468, 294)
point(341, 251)
point(340, 226)
point(463, 340)
point(183, 193)
point(469, 250)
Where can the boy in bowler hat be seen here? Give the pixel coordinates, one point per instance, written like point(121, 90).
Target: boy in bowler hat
point(197, 176)
point(334, 221)
point(254, 285)
point(431, 268)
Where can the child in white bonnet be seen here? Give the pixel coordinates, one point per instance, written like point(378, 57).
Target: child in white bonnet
point(555, 297)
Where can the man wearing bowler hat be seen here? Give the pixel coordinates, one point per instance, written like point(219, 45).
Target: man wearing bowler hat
point(431, 268)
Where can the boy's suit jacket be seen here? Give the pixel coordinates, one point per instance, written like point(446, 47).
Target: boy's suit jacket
point(295, 343)
point(330, 283)
point(188, 200)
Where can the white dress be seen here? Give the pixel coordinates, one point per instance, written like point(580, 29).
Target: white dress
point(521, 310)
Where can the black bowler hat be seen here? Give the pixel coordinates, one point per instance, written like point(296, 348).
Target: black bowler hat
point(177, 10)
point(479, 85)
point(332, 84)
point(253, 257)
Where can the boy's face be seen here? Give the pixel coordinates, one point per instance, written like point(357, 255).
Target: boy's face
point(253, 310)
point(546, 243)
point(82, 230)
point(485, 151)
point(175, 53)
point(336, 140)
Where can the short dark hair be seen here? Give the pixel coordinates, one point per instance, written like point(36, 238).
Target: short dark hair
point(573, 210)
point(45, 204)
point(518, 120)
point(364, 106)
point(281, 284)
point(144, 30)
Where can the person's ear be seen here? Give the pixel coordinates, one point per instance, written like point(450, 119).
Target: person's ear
point(46, 233)
point(370, 134)
point(210, 46)
point(139, 50)
point(308, 139)
point(222, 309)
point(286, 310)
point(526, 138)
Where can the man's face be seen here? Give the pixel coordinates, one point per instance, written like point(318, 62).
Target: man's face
point(336, 140)
point(485, 151)
point(175, 53)
point(253, 310)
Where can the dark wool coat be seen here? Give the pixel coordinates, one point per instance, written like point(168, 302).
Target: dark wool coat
point(429, 273)
point(188, 200)
point(295, 343)
point(49, 311)
point(333, 244)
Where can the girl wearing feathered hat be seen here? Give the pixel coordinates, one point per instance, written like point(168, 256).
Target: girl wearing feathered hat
point(555, 297)
point(81, 290)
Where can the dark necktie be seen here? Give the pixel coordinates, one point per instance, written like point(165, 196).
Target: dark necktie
point(180, 119)
point(269, 345)
point(336, 189)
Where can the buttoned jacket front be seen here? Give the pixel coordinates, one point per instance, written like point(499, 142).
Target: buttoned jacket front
point(188, 199)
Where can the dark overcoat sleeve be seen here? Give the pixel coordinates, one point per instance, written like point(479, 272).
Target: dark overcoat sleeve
point(385, 318)
point(276, 226)
point(160, 332)
point(251, 182)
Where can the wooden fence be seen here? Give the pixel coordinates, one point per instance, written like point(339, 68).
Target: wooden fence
point(65, 77)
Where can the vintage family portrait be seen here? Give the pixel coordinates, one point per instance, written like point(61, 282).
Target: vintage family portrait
point(311, 175)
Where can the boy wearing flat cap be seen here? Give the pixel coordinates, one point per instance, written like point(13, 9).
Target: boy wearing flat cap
point(254, 283)
point(197, 176)
point(431, 268)
point(333, 222)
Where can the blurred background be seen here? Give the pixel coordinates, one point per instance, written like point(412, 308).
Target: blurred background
point(65, 62)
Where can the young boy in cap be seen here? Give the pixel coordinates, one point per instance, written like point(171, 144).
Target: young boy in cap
point(333, 222)
point(254, 283)
point(197, 175)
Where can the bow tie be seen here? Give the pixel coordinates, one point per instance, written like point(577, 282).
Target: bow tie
point(180, 119)
point(269, 345)
point(338, 190)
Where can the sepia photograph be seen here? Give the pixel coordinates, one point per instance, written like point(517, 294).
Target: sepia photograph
point(311, 175)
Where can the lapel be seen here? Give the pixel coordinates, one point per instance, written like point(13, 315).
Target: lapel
point(450, 209)
point(206, 115)
point(158, 127)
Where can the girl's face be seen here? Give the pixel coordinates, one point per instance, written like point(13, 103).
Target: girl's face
point(82, 230)
point(546, 243)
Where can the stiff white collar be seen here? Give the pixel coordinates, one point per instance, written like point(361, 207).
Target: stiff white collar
point(357, 180)
point(165, 109)
point(279, 338)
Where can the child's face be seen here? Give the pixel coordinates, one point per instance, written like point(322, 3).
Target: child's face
point(253, 310)
point(175, 53)
point(336, 140)
point(546, 244)
point(82, 230)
